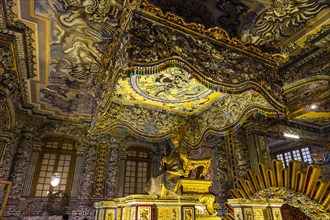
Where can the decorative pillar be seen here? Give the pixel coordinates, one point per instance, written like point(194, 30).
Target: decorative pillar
point(238, 153)
point(223, 181)
point(102, 152)
point(112, 172)
point(155, 158)
point(122, 157)
point(88, 172)
point(21, 165)
point(36, 149)
point(258, 145)
point(8, 144)
point(77, 171)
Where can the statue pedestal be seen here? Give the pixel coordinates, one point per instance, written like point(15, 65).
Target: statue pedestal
point(195, 204)
point(260, 209)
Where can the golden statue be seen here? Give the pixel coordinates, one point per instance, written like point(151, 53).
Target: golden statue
point(175, 167)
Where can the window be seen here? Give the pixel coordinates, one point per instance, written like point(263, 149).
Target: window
point(296, 155)
point(280, 157)
point(56, 157)
point(137, 171)
point(306, 154)
point(287, 156)
point(302, 154)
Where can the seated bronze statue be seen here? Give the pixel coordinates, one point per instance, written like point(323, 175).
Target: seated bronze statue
point(176, 166)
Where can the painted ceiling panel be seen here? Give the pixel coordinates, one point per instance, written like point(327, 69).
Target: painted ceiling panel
point(172, 89)
point(67, 36)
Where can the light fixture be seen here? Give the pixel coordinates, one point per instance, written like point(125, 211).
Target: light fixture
point(55, 180)
point(289, 135)
point(313, 107)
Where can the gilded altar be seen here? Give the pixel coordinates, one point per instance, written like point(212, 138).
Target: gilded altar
point(189, 206)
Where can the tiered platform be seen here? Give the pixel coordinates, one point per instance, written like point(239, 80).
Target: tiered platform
point(196, 203)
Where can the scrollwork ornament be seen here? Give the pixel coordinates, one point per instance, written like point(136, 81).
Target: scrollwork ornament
point(283, 19)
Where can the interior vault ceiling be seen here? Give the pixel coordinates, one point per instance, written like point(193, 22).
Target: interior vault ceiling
point(61, 47)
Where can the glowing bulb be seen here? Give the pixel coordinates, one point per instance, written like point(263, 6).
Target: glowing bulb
point(313, 107)
point(55, 180)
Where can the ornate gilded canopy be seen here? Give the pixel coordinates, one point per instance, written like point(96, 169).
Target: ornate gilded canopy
point(150, 66)
point(165, 73)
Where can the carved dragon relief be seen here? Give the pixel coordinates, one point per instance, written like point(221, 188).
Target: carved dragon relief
point(152, 43)
point(282, 19)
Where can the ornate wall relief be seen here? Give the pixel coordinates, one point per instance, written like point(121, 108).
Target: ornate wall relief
point(88, 172)
point(281, 19)
point(21, 164)
point(112, 173)
point(241, 153)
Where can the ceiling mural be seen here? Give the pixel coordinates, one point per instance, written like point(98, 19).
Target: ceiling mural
point(173, 89)
point(71, 34)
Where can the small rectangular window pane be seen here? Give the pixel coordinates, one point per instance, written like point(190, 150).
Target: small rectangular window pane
point(287, 156)
point(306, 155)
point(296, 155)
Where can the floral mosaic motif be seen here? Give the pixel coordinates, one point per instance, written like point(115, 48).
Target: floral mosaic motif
point(313, 65)
point(282, 19)
point(88, 173)
point(295, 199)
point(21, 165)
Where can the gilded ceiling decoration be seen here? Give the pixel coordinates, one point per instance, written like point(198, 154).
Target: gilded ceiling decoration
point(72, 35)
point(281, 19)
point(173, 89)
point(222, 116)
point(109, 59)
point(215, 64)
